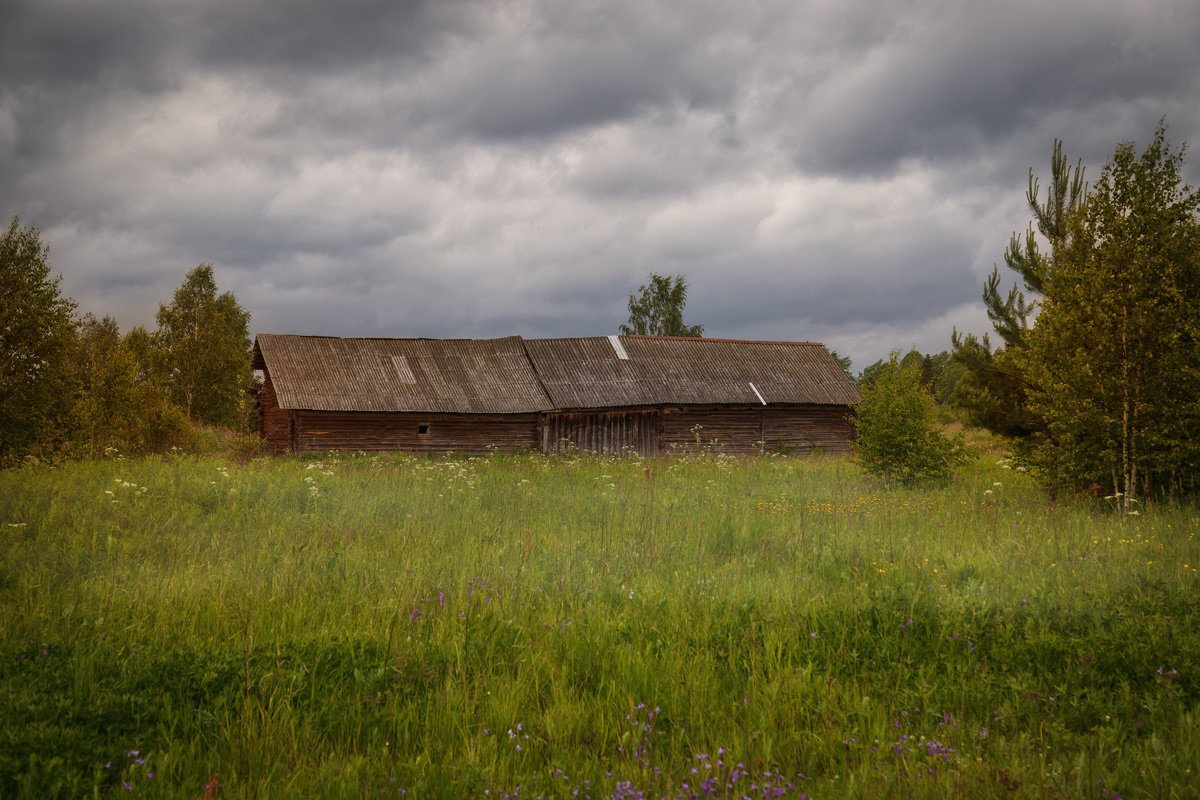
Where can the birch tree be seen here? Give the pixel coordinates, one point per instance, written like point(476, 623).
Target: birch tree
point(204, 342)
point(657, 309)
point(1114, 358)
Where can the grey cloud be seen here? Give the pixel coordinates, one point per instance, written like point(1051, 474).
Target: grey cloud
point(817, 169)
point(961, 82)
point(47, 44)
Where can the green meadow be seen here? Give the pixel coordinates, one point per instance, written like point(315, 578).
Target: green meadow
point(348, 625)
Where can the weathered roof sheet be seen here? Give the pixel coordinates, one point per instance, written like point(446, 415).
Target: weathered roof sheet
point(480, 376)
point(511, 376)
point(667, 370)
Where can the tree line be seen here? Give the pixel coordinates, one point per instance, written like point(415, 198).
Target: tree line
point(1096, 374)
point(73, 384)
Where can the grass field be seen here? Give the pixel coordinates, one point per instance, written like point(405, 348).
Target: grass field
point(522, 626)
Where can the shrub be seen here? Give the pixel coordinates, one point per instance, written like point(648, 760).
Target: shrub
point(898, 436)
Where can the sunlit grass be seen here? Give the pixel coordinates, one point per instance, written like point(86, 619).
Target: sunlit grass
point(365, 625)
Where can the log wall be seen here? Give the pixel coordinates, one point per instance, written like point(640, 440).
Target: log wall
point(476, 434)
point(275, 424)
point(648, 432)
point(737, 429)
point(804, 429)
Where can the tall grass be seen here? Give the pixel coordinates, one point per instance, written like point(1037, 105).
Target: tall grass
point(352, 625)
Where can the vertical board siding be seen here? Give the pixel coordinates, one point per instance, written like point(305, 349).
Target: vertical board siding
point(615, 432)
point(476, 434)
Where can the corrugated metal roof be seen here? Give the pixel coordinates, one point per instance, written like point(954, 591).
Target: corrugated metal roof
point(480, 376)
point(666, 370)
point(510, 376)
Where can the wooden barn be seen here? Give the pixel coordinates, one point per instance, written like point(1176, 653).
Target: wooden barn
point(608, 394)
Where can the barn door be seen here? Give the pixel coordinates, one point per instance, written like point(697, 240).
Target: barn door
point(606, 432)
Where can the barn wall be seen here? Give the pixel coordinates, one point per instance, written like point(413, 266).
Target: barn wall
point(467, 433)
point(741, 429)
point(616, 432)
point(807, 428)
point(274, 423)
point(735, 429)
point(648, 432)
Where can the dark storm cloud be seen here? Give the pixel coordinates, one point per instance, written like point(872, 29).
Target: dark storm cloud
point(817, 169)
point(951, 82)
point(308, 37)
point(52, 44)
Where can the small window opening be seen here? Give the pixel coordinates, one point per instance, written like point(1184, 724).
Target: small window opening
point(422, 429)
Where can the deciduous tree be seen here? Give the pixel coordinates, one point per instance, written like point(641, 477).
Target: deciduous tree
point(657, 309)
point(205, 345)
point(1113, 362)
point(898, 438)
point(37, 335)
point(121, 404)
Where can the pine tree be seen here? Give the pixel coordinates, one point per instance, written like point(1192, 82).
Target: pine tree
point(995, 392)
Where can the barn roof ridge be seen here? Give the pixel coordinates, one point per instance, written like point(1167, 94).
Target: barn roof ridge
point(514, 374)
point(714, 339)
point(662, 337)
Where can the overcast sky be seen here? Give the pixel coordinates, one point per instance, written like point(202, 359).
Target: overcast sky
point(844, 172)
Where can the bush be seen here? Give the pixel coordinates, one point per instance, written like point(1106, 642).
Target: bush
point(898, 436)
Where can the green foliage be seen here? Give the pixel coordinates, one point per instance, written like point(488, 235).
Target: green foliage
point(941, 375)
point(657, 309)
point(898, 437)
point(37, 336)
point(843, 362)
point(73, 386)
point(1114, 359)
point(993, 390)
point(378, 624)
point(205, 345)
point(122, 407)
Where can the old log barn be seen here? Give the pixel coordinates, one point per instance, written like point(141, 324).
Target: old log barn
point(609, 394)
